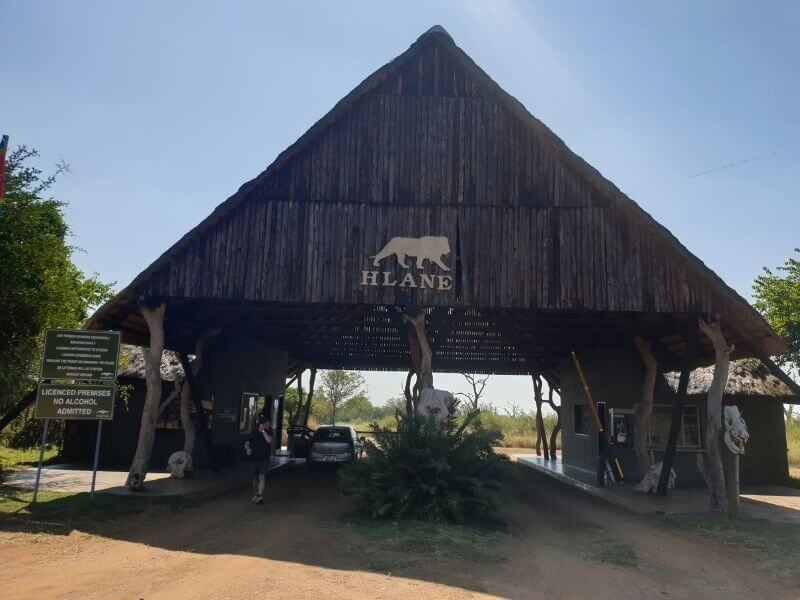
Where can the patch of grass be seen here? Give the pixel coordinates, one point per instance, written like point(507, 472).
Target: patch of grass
point(12, 459)
point(591, 543)
point(793, 444)
point(775, 546)
point(14, 502)
point(405, 543)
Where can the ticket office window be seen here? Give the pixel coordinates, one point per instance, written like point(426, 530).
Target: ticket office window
point(661, 421)
point(251, 406)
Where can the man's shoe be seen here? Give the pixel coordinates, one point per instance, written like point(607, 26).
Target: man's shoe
point(254, 499)
point(259, 500)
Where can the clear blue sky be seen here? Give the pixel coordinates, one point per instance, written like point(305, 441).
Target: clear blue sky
point(163, 109)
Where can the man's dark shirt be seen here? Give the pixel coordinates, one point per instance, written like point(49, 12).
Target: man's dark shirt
point(259, 445)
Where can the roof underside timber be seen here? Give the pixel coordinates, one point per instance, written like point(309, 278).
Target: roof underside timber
point(547, 255)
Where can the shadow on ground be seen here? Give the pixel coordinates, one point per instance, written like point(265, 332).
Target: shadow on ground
point(554, 541)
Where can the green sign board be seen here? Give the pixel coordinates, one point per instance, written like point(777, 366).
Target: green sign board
point(75, 401)
point(78, 354)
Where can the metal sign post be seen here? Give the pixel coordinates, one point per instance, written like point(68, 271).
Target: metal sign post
point(96, 457)
point(41, 458)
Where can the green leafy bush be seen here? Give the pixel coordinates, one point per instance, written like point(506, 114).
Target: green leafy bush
point(429, 471)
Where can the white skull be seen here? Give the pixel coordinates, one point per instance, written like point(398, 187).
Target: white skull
point(736, 434)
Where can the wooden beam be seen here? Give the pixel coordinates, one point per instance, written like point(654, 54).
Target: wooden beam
point(677, 411)
point(201, 423)
point(587, 393)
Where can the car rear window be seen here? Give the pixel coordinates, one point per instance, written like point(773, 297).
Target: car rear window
point(330, 434)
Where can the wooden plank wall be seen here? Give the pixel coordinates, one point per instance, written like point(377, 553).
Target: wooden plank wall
point(431, 151)
point(547, 258)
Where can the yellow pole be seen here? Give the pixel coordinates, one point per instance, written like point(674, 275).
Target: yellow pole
point(587, 392)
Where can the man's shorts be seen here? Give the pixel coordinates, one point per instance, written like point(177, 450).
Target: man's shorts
point(259, 468)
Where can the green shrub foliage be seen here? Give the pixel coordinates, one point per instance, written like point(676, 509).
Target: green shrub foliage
point(429, 471)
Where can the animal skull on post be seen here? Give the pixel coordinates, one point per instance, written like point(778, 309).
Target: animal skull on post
point(736, 433)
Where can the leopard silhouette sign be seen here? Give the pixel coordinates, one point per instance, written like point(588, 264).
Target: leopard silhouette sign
point(430, 248)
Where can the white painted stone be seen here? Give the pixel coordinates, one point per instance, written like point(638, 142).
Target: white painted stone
point(179, 464)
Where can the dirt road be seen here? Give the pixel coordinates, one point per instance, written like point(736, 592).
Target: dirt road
point(559, 544)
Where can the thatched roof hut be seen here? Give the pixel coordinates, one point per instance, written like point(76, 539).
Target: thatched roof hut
point(131, 364)
point(747, 377)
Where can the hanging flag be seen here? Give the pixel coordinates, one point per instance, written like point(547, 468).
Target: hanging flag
point(3, 148)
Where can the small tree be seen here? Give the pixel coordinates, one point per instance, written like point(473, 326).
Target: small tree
point(340, 386)
point(429, 471)
point(40, 286)
point(777, 297)
point(478, 384)
point(358, 409)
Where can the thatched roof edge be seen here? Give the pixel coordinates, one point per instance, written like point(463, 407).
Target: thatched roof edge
point(747, 377)
point(132, 364)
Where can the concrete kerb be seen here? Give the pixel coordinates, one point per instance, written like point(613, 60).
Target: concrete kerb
point(202, 485)
point(777, 504)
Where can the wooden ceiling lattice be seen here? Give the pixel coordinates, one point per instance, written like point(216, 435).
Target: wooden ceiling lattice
point(364, 337)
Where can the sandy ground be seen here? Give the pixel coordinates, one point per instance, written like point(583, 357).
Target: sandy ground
point(292, 548)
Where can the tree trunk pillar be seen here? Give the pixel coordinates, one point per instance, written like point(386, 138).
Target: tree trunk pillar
point(645, 409)
point(732, 483)
point(557, 426)
point(424, 365)
point(152, 373)
point(189, 430)
point(714, 467)
point(541, 434)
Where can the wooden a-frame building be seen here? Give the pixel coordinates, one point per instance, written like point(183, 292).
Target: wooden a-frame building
point(430, 186)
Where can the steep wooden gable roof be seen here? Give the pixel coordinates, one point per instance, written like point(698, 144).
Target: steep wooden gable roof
point(312, 170)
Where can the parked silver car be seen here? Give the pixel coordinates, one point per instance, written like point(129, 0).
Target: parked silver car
point(333, 444)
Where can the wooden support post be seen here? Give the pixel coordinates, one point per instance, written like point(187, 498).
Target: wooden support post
point(715, 470)
point(309, 396)
point(292, 380)
point(645, 408)
point(152, 373)
point(294, 415)
point(541, 434)
point(587, 393)
point(201, 422)
point(278, 427)
point(425, 370)
point(557, 426)
point(732, 483)
point(677, 412)
point(200, 347)
point(411, 393)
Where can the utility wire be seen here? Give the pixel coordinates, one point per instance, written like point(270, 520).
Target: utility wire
point(722, 168)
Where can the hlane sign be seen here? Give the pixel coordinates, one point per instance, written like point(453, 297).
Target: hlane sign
point(430, 248)
point(75, 401)
point(77, 354)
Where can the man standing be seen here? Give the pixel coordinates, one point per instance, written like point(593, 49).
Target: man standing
point(257, 447)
